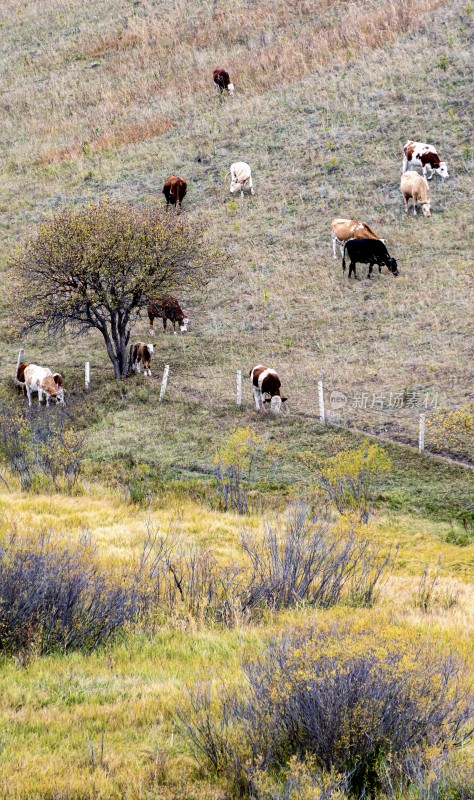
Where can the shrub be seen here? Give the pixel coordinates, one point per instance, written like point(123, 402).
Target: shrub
point(41, 445)
point(313, 561)
point(352, 478)
point(54, 596)
point(237, 465)
point(353, 700)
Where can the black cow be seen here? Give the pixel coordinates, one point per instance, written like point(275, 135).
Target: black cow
point(367, 251)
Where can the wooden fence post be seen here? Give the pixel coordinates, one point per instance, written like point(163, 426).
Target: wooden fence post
point(421, 436)
point(322, 416)
point(20, 359)
point(87, 374)
point(239, 388)
point(164, 382)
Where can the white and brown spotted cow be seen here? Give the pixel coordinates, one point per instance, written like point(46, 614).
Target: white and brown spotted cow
point(266, 388)
point(345, 229)
point(41, 380)
point(141, 356)
point(419, 154)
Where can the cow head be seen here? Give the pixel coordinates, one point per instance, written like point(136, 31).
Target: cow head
point(231, 88)
point(234, 186)
point(426, 209)
point(183, 324)
point(392, 265)
point(442, 170)
point(275, 403)
point(150, 347)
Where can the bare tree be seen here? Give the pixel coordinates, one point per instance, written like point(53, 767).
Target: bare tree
point(96, 267)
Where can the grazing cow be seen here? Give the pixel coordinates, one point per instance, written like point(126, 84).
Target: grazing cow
point(266, 388)
point(367, 251)
point(222, 81)
point(141, 354)
point(415, 187)
point(345, 229)
point(20, 377)
point(41, 380)
point(174, 190)
point(419, 154)
point(167, 308)
point(240, 178)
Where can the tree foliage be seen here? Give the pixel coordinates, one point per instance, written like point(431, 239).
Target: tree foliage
point(96, 267)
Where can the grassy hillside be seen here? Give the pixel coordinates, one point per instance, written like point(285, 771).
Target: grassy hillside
point(106, 99)
point(329, 146)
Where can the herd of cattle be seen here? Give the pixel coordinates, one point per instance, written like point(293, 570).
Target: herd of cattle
point(355, 239)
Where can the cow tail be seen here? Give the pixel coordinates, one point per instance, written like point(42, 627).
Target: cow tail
point(344, 257)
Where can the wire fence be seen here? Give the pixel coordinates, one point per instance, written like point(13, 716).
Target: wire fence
point(398, 416)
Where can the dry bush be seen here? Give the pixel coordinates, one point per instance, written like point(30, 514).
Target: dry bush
point(36, 447)
point(356, 700)
point(58, 597)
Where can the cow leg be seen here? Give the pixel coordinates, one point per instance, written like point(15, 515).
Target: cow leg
point(405, 197)
point(251, 186)
point(40, 396)
point(257, 396)
point(174, 327)
point(28, 393)
point(352, 268)
point(334, 245)
point(369, 274)
point(164, 324)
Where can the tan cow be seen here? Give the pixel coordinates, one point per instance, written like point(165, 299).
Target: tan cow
point(41, 380)
point(345, 229)
point(415, 187)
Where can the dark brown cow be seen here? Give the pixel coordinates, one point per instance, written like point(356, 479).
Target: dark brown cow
point(266, 388)
point(222, 81)
point(174, 190)
point(141, 355)
point(167, 308)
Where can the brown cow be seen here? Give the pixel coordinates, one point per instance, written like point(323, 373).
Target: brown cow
point(174, 190)
point(266, 388)
point(167, 308)
point(345, 229)
point(222, 81)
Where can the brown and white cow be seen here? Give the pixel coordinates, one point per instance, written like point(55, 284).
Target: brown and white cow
point(41, 380)
point(345, 229)
point(415, 187)
point(266, 388)
point(174, 190)
point(241, 178)
point(20, 377)
point(419, 154)
point(141, 355)
point(167, 308)
point(222, 81)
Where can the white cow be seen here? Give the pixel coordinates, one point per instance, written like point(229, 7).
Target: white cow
point(41, 380)
point(241, 178)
